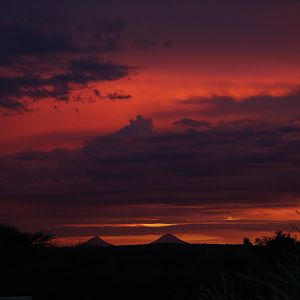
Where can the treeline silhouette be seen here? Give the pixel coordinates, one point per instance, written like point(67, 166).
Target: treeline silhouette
point(31, 264)
point(12, 238)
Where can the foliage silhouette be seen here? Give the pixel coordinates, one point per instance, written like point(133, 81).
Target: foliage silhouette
point(247, 242)
point(12, 238)
point(161, 272)
point(280, 240)
point(280, 282)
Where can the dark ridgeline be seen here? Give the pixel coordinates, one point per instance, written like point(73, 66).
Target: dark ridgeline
point(164, 239)
point(168, 239)
point(166, 269)
point(96, 242)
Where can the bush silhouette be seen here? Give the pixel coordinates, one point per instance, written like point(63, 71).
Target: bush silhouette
point(280, 240)
point(13, 238)
point(247, 242)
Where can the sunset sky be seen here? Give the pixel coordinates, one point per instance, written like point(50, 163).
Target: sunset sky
point(130, 119)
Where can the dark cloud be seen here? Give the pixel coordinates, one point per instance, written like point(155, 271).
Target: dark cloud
point(178, 229)
point(206, 25)
point(48, 39)
point(95, 70)
point(264, 106)
point(17, 41)
point(141, 126)
point(97, 93)
point(12, 105)
point(245, 164)
point(187, 122)
point(39, 61)
point(237, 163)
point(118, 95)
point(58, 86)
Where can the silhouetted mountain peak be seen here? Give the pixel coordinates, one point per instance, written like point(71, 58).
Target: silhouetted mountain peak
point(96, 242)
point(169, 239)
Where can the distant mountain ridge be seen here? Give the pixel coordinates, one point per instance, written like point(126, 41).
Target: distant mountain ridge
point(168, 239)
point(96, 242)
point(164, 239)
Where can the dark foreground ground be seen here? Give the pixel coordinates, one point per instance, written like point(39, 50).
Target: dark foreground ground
point(150, 272)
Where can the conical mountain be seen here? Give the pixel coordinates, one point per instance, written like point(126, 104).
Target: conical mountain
point(168, 239)
point(96, 242)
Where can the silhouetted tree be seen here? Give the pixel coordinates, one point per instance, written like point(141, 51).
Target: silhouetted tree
point(13, 238)
point(247, 242)
point(280, 240)
point(42, 239)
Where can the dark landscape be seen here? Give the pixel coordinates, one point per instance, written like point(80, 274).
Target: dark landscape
point(270, 269)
